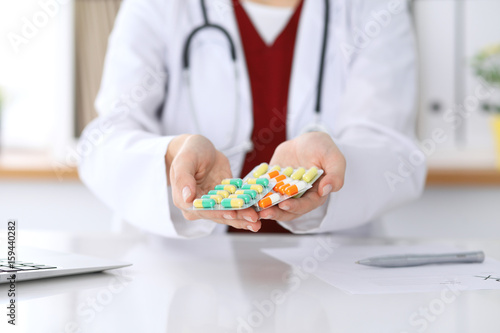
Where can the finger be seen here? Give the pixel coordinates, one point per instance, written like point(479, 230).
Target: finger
point(303, 205)
point(275, 213)
point(269, 213)
point(239, 219)
point(333, 178)
point(249, 215)
point(241, 224)
point(209, 215)
point(182, 178)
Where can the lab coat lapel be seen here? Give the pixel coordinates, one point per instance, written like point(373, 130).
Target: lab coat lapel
point(221, 12)
point(305, 67)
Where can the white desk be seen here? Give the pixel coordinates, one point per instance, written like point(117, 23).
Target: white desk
point(224, 284)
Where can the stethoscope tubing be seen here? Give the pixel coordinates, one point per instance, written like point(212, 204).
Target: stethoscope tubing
point(230, 149)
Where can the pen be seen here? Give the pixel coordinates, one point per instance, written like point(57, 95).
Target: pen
point(408, 260)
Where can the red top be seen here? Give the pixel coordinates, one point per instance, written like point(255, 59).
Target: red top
point(269, 70)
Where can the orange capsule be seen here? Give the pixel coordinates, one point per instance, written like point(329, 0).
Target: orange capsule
point(283, 188)
point(272, 174)
point(267, 195)
point(280, 178)
point(277, 187)
point(269, 201)
point(295, 188)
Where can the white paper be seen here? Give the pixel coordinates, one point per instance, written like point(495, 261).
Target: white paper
point(339, 269)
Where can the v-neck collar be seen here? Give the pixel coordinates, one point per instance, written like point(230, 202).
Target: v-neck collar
point(254, 30)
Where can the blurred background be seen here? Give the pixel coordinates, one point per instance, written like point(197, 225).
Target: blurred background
point(51, 58)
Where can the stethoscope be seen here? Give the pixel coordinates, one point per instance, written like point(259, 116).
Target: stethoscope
point(229, 149)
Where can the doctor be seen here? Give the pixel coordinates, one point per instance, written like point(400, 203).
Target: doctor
point(196, 91)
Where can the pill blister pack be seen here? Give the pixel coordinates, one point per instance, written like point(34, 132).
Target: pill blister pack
point(235, 194)
point(262, 188)
point(290, 183)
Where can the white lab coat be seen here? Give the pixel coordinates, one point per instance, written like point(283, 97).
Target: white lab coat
point(368, 107)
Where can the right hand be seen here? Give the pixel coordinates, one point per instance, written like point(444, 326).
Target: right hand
point(194, 167)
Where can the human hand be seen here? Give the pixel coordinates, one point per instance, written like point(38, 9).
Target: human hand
point(310, 149)
point(194, 167)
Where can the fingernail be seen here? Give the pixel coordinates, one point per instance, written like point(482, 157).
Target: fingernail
point(249, 227)
point(285, 207)
point(326, 190)
point(269, 217)
point(186, 193)
point(249, 219)
point(227, 217)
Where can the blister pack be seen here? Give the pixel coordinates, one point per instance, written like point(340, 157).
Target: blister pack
point(291, 183)
point(235, 194)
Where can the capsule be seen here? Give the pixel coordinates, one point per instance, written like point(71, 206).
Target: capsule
point(288, 171)
point(276, 167)
point(276, 188)
point(297, 175)
point(260, 170)
point(204, 203)
point(283, 188)
point(230, 188)
point(269, 201)
point(245, 197)
point(222, 193)
point(232, 181)
point(295, 188)
point(257, 188)
point(310, 174)
point(268, 194)
point(232, 203)
point(272, 174)
point(279, 178)
point(260, 181)
point(216, 197)
point(251, 193)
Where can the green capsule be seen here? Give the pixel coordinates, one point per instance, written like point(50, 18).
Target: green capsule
point(257, 188)
point(204, 203)
point(259, 181)
point(232, 181)
point(232, 203)
point(251, 193)
point(222, 193)
point(216, 197)
point(230, 188)
point(245, 197)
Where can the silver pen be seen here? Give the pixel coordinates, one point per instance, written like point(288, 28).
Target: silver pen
point(408, 260)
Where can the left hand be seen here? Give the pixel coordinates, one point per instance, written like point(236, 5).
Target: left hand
point(308, 150)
